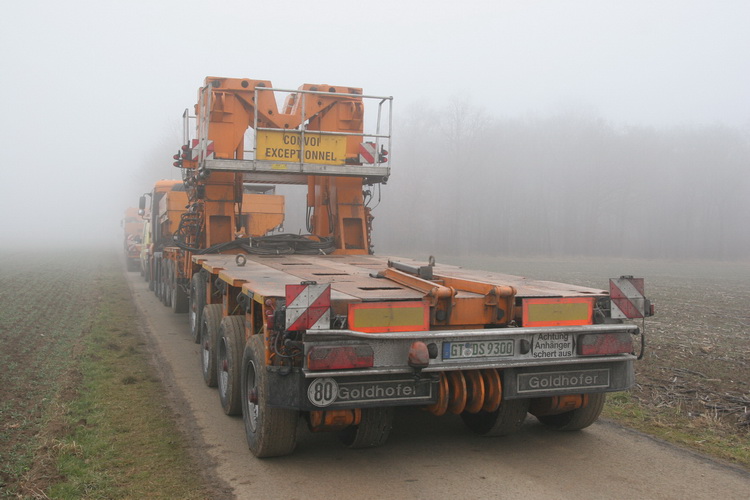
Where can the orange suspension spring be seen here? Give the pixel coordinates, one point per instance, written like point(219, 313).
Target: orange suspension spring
point(470, 390)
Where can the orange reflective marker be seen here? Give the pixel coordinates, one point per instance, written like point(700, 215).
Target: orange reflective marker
point(558, 312)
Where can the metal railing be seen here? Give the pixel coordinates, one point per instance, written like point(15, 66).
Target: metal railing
point(274, 170)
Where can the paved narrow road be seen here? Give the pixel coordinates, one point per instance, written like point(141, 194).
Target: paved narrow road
point(426, 457)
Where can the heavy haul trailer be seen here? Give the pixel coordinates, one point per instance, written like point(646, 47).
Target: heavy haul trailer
point(163, 207)
point(260, 211)
point(171, 219)
point(316, 326)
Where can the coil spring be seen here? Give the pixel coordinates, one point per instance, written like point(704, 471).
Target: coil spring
point(471, 391)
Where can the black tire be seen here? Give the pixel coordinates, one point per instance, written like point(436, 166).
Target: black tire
point(196, 302)
point(270, 432)
point(159, 280)
point(507, 419)
point(373, 430)
point(179, 296)
point(231, 348)
point(151, 272)
point(167, 283)
point(209, 338)
point(576, 420)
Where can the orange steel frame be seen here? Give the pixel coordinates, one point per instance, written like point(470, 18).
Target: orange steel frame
point(227, 107)
point(337, 202)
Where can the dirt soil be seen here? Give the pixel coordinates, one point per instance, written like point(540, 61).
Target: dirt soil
point(61, 314)
point(696, 366)
point(41, 323)
point(697, 359)
point(427, 456)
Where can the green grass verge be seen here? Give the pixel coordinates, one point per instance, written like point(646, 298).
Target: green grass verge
point(123, 441)
point(82, 412)
point(706, 435)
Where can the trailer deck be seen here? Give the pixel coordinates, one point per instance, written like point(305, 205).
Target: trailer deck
point(353, 277)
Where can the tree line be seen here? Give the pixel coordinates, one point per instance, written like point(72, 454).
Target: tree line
point(466, 182)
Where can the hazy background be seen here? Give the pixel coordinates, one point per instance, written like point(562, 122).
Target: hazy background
point(521, 127)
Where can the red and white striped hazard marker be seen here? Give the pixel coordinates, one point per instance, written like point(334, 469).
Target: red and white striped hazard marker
point(209, 151)
point(196, 151)
point(308, 307)
point(628, 299)
point(367, 152)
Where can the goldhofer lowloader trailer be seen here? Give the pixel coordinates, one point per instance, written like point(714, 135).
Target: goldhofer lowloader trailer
point(162, 207)
point(315, 326)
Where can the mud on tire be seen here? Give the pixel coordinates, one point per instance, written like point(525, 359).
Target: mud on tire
point(196, 302)
point(575, 420)
point(178, 295)
point(229, 366)
point(209, 338)
point(373, 430)
point(270, 432)
point(507, 419)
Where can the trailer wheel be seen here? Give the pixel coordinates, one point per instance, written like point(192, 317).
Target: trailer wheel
point(209, 337)
point(507, 419)
point(179, 300)
point(158, 289)
point(229, 365)
point(373, 430)
point(157, 278)
point(167, 282)
point(161, 290)
point(150, 276)
point(196, 302)
point(131, 265)
point(576, 420)
point(179, 296)
point(270, 432)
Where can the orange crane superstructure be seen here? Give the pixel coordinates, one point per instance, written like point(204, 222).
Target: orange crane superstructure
point(225, 110)
point(317, 326)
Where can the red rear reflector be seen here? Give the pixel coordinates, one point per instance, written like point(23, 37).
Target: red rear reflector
point(600, 344)
point(340, 358)
point(419, 356)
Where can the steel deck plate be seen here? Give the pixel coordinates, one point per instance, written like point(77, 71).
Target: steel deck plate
point(350, 276)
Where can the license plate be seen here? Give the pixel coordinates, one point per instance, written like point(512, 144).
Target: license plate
point(552, 346)
point(478, 349)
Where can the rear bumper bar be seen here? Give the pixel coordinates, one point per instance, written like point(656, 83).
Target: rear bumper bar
point(526, 366)
point(391, 349)
point(292, 390)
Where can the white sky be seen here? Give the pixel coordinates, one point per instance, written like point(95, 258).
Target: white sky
point(91, 91)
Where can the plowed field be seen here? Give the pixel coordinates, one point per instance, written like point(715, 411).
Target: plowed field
point(693, 383)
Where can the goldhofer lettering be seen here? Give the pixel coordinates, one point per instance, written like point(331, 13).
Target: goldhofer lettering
point(554, 381)
point(542, 382)
point(363, 391)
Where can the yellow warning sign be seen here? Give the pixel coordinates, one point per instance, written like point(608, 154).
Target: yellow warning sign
point(287, 146)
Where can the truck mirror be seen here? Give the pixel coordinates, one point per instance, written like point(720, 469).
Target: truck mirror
point(142, 203)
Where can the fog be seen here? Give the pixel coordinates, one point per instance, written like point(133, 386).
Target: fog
point(566, 184)
point(520, 127)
